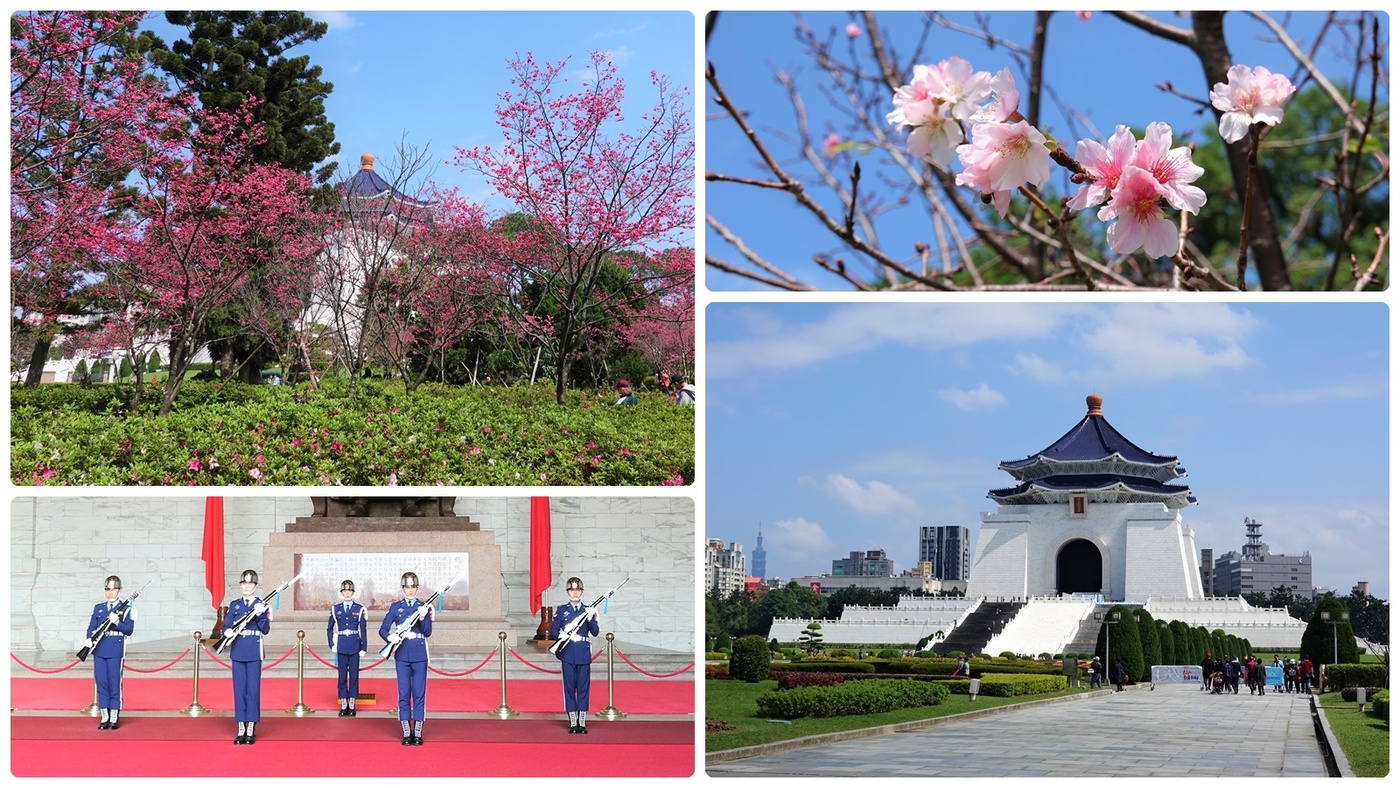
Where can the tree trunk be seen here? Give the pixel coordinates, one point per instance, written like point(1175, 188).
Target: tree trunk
point(1214, 54)
point(35, 376)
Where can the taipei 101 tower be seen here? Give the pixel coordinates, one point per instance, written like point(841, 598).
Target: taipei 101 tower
point(760, 557)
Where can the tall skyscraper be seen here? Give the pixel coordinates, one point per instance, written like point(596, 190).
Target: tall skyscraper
point(948, 548)
point(760, 557)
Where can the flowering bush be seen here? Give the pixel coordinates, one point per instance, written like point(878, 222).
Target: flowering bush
point(257, 435)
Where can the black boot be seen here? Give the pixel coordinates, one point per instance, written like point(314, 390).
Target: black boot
point(242, 737)
point(418, 732)
point(250, 739)
point(407, 734)
point(112, 725)
point(102, 726)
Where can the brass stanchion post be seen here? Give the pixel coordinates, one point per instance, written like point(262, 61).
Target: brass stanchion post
point(194, 709)
point(611, 712)
point(503, 711)
point(91, 711)
point(301, 709)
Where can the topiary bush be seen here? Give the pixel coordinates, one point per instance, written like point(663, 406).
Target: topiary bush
point(1007, 685)
point(888, 653)
point(1355, 675)
point(793, 679)
point(861, 697)
point(1380, 705)
point(750, 660)
point(1349, 693)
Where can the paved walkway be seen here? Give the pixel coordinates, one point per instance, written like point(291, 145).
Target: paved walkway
point(1173, 731)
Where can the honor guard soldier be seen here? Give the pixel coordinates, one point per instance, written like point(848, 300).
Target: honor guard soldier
point(346, 637)
point(109, 651)
point(411, 654)
point(577, 656)
point(246, 653)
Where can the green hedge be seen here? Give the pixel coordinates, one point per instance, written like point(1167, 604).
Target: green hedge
point(237, 434)
point(824, 667)
point(1380, 705)
point(1343, 675)
point(861, 697)
point(1009, 685)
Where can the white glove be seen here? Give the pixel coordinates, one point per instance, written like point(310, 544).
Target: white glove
point(87, 643)
point(259, 609)
point(394, 637)
point(114, 617)
point(362, 653)
point(228, 633)
point(592, 612)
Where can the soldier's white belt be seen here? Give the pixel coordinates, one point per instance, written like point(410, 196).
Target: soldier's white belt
point(115, 635)
point(250, 634)
point(411, 635)
point(348, 631)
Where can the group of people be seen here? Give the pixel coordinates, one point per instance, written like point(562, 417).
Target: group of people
point(1098, 678)
point(1221, 675)
point(406, 627)
point(679, 389)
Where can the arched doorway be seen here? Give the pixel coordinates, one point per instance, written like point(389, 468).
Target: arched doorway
point(1079, 568)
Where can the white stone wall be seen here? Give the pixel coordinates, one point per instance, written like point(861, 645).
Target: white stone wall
point(62, 547)
point(1145, 548)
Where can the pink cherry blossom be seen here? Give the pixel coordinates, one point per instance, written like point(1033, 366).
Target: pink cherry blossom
point(1104, 164)
point(829, 145)
point(853, 30)
point(1003, 157)
point(958, 86)
point(1249, 97)
point(1172, 167)
point(1137, 208)
point(936, 141)
point(1006, 99)
point(1084, 16)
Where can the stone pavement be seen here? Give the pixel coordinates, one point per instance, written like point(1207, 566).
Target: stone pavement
point(1173, 731)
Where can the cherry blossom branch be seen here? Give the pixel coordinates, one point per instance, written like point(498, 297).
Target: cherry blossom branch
point(1244, 208)
point(1362, 281)
point(1311, 67)
point(1170, 32)
point(789, 282)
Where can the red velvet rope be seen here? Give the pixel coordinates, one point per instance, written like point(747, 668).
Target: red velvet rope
point(216, 659)
point(281, 660)
point(332, 666)
point(41, 670)
point(469, 671)
point(166, 666)
point(516, 654)
point(654, 675)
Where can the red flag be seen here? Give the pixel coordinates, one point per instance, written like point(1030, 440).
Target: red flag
point(213, 552)
point(541, 576)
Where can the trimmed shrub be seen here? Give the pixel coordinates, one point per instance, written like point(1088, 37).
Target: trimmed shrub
point(717, 672)
point(750, 660)
point(1007, 655)
point(1380, 706)
point(860, 697)
point(793, 679)
point(824, 667)
point(1349, 694)
point(1007, 685)
point(1341, 676)
point(888, 653)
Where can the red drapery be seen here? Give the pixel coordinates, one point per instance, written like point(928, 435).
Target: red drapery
point(541, 576)
point(213, 551)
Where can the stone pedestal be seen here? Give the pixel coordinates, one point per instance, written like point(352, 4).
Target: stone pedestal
point(476, 627)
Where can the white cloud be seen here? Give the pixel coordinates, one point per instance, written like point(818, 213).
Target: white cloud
point(1155, 342)
point(797, 540)
point(876, 497)
point(335, 20)
point(774, 345)
point(1036, 368)
point(983, 396)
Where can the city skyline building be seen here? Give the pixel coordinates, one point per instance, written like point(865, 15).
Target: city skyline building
point(760, 557)
point(724, 566)
point(1254, 568)
point(868, 563)
point(948, 548)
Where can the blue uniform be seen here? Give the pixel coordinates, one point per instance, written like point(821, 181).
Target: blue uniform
point(107, 655)
point(411, 658)
point(246, 655)
point(346, 637)
point(575, 658)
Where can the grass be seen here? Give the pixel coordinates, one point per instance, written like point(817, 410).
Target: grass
point(1363, 736)
point(735, 702)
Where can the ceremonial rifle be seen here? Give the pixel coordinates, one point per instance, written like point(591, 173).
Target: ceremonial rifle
point(575, 624)
point(247, 618)
point(106, 626)
point(407, 624)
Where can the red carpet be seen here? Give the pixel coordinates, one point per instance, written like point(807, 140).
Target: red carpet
point(320, 747)
point(279, 694)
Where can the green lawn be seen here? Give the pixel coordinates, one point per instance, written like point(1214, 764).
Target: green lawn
point(1364, 737)
point(735, 702)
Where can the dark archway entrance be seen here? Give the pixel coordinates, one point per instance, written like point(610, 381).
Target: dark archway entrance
point(1079, 568)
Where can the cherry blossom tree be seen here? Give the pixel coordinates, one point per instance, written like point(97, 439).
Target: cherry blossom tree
point(203, 223)
point(82, 108)
point(592, 188)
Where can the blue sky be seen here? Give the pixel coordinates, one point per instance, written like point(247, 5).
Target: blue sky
point(433, 78)
point(1103, 68)
point(845, 427)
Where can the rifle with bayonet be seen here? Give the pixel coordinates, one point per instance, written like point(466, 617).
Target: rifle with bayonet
point(247, 618)
point(572, 628)
point(406, 625)
point(106, 626)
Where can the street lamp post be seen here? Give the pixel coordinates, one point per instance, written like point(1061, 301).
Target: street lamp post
point(1327, 617)
point(1110, 618)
